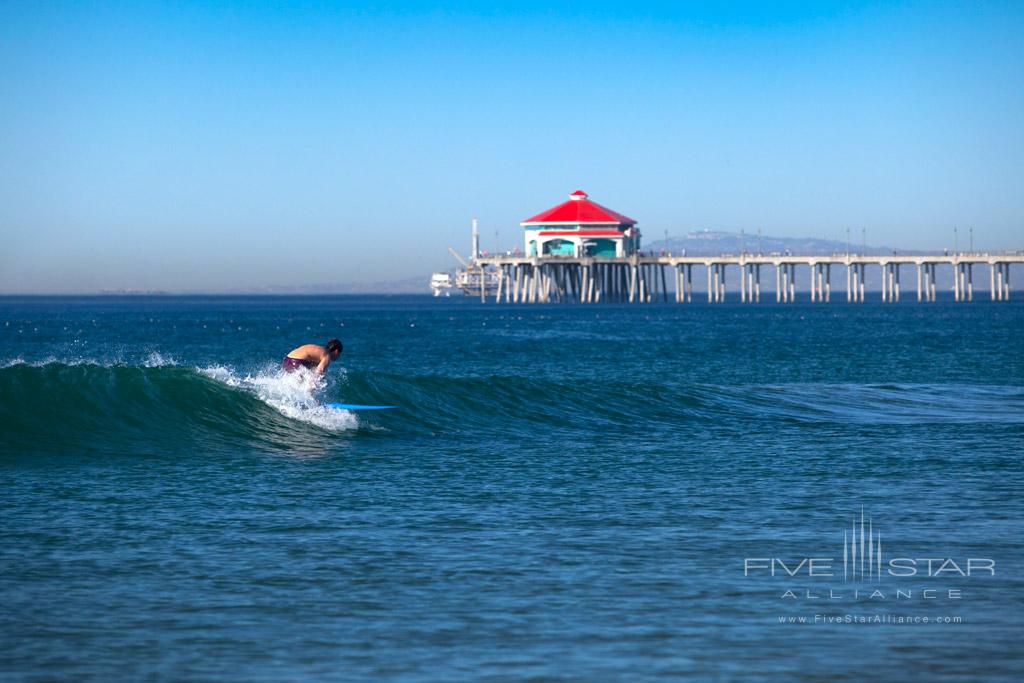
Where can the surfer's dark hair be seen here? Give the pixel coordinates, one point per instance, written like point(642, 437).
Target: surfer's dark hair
point(334, 345)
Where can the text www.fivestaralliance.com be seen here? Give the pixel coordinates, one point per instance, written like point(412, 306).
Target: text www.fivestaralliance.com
point(832, 620)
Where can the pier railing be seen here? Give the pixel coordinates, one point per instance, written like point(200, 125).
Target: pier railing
point(643, 279)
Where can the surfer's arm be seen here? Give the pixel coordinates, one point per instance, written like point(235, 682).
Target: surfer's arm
point(321, 367)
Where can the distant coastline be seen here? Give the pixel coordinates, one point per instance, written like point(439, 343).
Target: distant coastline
point(694, 243)
point(133, 292)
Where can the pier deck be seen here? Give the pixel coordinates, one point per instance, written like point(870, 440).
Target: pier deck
point(642, 279)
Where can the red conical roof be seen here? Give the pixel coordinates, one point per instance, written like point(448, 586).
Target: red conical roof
point(579, 211)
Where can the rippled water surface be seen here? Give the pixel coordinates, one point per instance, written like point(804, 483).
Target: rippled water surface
point(564, 492)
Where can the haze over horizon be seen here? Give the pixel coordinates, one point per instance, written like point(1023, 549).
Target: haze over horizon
point(214, 147)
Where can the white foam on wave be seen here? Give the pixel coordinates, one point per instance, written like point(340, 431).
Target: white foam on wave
point(155, 359)
point(53, 360)
point(293, 394)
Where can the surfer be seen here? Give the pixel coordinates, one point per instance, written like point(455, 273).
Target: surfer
point(312, 357)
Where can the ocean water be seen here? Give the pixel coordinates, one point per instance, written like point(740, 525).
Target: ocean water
point(565, 493)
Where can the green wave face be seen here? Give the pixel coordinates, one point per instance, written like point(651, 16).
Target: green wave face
point(91, 408)
point(84, 408)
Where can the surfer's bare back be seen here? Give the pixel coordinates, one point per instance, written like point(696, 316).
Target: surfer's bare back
point(313, 357)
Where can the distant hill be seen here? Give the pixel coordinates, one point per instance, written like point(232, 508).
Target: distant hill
point(715, 242)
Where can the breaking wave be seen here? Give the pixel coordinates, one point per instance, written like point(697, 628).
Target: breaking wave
point(159, 406)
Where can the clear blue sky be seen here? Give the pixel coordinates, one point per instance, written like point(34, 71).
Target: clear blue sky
point(207, 146)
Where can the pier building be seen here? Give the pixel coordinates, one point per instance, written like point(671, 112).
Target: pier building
point(580, 227)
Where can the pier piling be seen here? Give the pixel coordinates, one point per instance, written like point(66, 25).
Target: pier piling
point(642, 279)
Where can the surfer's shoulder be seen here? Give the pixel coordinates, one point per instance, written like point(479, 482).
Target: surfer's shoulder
point(306, 351)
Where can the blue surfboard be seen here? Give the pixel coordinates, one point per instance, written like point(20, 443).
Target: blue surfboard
point(355, 406)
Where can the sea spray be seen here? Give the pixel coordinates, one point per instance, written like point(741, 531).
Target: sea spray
point(293, 394)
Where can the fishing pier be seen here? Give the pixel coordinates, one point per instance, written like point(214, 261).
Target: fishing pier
point(580, 251)
point(645, 279)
